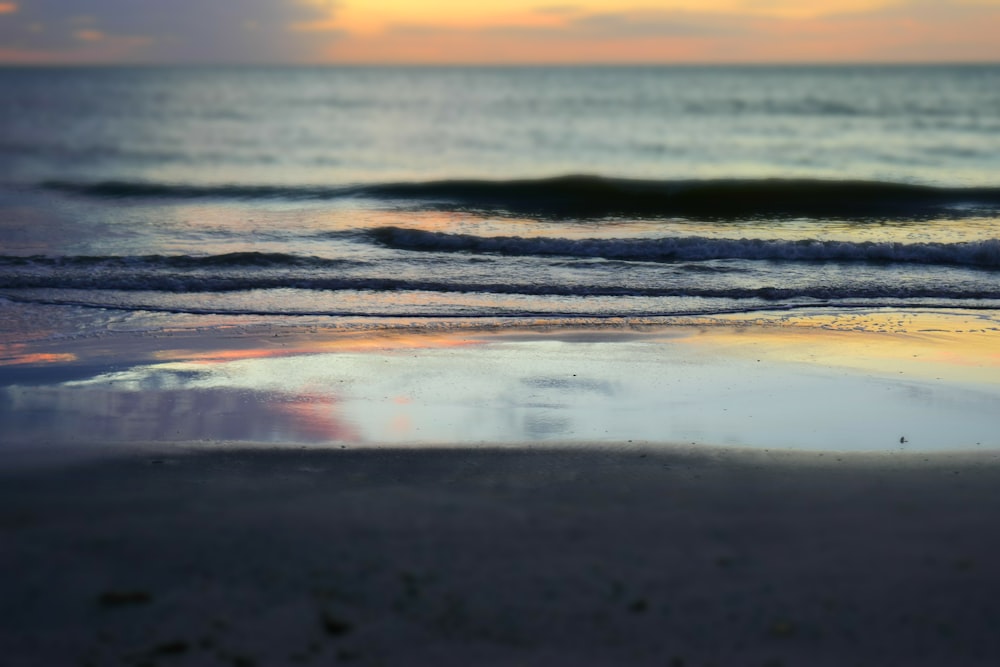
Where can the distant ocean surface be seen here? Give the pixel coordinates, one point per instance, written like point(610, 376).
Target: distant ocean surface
point(151, 198)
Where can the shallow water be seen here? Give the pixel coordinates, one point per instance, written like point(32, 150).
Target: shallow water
point(782, 386)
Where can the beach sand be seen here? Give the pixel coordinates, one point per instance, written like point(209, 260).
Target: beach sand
point(320, 546)
point(563, 555)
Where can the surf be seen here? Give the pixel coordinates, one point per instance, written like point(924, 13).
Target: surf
point(591, 196)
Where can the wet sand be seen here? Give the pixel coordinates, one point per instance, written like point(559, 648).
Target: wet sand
point(901, 382)
point(645, 555)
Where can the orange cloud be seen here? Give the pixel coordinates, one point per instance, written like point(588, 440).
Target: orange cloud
point(486, 48)
point(504, 31)
point(775, 31)
point(366, 17)
point(89, 35)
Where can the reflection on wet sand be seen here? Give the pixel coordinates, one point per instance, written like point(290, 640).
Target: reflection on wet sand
point(22, 355)
point(934, 386)
point(300, 343)
point(938, 346)
point(66, 414)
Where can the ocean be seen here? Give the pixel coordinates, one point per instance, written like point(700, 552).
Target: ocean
point(149, 199)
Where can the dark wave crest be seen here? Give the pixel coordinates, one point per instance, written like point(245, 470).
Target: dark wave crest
point(149, 190)
point(88, 288)
point(982, 254)
point(593, 196)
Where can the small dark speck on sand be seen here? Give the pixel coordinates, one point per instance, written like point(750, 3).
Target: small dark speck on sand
point(172, 648)
point(782, 629)
point(638, 606)
point(112, 599)
point(334, 626)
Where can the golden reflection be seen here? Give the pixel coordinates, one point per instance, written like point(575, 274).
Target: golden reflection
point(926, 345)
point(223, 356)
point(13, 355)
point(306, 344)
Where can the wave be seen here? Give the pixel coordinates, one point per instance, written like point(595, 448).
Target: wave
point(981, 254)
point(233, 260)
point(587, 196)
point(95, 276)
point(52, 291)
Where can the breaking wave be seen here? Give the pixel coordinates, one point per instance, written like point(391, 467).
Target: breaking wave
point(982, 254)
point(587, 196)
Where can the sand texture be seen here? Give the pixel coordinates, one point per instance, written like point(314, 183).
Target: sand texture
point(561, 555)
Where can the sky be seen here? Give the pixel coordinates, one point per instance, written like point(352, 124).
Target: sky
point(497, 31)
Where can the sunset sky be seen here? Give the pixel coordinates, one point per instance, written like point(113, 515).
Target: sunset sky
point(498, 31)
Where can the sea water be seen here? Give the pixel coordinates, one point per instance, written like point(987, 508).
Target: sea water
point(149, 198)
